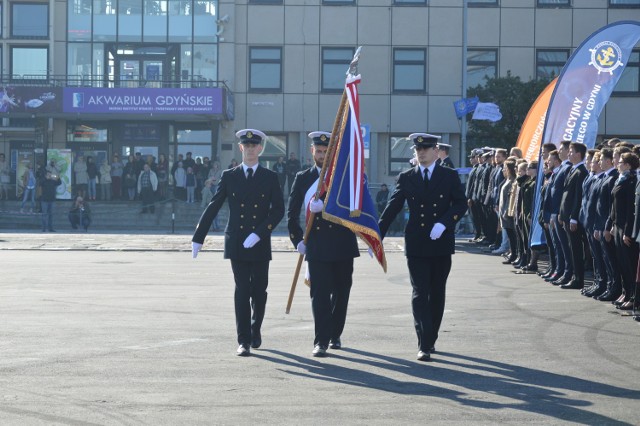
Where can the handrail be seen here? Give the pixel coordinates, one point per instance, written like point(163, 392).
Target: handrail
point(40, 80)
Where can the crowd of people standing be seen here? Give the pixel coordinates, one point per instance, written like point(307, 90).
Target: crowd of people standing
point(587, 209)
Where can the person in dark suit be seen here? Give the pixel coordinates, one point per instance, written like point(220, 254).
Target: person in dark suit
point(436, 203)
point(620, 225)
point(563, 273)
point(473, 207)
point(570, 212)
point(329, 251)
point(603, 210)
point(443, 155)
point(256, 206)
point(590, 193)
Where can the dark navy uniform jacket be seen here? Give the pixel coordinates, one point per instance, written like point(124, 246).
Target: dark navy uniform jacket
point(327, 241)
point(605, 200)
point(622, 208)
point(255, 206)
point(572, 194)
point(442, 201)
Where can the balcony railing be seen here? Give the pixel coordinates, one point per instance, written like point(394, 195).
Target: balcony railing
point(195, 81)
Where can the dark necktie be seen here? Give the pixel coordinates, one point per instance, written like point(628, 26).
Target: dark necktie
point(426, 177)
point(249, 173)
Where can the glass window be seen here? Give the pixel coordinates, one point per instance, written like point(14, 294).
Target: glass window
point(400, 153)
point(196, 141)
point(29, 62)
point(549, 63)
point(409, 67)
point(180, 20)
point(78, 61)
point(104, 20)
point(629, 83)
point(265, 72)
point(79, 20)
point(204, 21)
point(409, 2)
point(265, 1)
point(340, 2)
point(29, 20)
point(554, 2)
point(481, 64)
point(205, 59)
point(129, 20)
point(155, 20)
point(335, 64)
point(98, 68)
point(86, 133)
point(624, 3)
point(474, 3)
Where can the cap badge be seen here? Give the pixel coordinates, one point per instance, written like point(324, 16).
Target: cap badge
point(420, 139)
point(249, 134)
point(323, 138)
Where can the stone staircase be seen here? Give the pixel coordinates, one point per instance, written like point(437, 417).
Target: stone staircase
point(169, 216)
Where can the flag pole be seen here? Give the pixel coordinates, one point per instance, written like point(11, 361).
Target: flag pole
point(353, 66)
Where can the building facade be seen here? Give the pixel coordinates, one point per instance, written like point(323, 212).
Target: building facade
point(170, 77)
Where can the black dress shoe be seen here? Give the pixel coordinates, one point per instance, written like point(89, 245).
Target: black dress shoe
point(636, 318)
point(256, 340)
point(319, 351)
point(335, 344)
point(562, 280)
point(243, 350)
point(423, 356)
point(598, 291)
point(607, 296)
point(553, 277)
point(573, 285)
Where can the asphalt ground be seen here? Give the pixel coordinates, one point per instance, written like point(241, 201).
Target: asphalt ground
point(111, 329)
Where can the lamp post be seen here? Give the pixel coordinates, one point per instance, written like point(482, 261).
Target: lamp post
point(463, 131)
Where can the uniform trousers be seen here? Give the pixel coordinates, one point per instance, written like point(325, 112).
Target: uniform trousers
point(477, 218)
point(599, 269)
point(429, 280)
point(576, 248)
point(610, 261)
point(627, 262)
point(563, 252)
point(330, 290)
point(551, 248)
point(252, 279)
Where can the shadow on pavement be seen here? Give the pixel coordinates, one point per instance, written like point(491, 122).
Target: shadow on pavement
point(531, 390)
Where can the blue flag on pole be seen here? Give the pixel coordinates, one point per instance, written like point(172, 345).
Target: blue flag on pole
point(584, 87)
point(465, 106)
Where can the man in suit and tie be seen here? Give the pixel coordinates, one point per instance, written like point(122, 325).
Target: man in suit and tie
point(568, 216)
point(256, 206)
point(564, 266)
point(603, 210)
point(329, 251)
point(436, 203)
point(471, 179)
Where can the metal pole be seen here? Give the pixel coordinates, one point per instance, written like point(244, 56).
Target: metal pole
point(463, 131)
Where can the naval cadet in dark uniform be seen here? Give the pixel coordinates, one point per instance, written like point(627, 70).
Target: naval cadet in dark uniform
point(443, 155)
point(436, 203)
point(329, 252)
point(256, 206)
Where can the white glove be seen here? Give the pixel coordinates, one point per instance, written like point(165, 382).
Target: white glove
point(251, 240)
point(195, 248)
point(370, 253)
point(302, 248)
point(437, 231)
point(315, 206)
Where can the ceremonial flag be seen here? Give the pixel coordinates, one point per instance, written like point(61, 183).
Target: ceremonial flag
point(583, 88)
point(465, 106)
point(348, 202)
point(530, 137)
point(487, 111)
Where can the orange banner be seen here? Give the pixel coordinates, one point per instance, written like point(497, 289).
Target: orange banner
point(532, 129)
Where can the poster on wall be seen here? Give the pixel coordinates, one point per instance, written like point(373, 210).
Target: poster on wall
point(61, 159)
point(23, 161)
point(30, 99)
